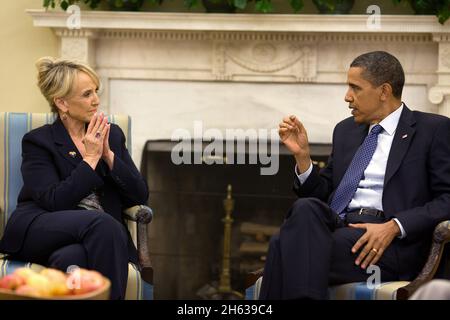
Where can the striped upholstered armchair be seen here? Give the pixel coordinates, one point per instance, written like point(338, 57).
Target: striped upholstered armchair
point(12, 128)
point(393, 290)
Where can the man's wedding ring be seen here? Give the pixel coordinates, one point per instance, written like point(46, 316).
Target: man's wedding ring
point(97, 134)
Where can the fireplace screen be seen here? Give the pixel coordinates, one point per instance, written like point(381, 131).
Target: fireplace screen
point(187, 233)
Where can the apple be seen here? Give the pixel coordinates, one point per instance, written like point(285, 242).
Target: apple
point(53, 274)
point(40, 283)
point(27, 290)
point(25, 273)
point(57, 279)
point(11, 281)
point(84, 281)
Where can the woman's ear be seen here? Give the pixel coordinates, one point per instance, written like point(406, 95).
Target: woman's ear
point(61, 104)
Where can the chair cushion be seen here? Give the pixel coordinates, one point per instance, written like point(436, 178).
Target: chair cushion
point(252, 293)
point(348, 291)
point(137, 289)
point(360, 291)
point(8, 266)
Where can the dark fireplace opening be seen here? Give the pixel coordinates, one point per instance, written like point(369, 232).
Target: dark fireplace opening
point(186, 235)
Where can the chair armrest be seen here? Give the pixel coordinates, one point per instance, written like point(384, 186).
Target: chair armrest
point(142, 215)
point(441, 236)
point(251, 277)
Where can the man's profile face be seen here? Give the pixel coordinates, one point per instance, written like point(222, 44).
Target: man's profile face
point(363, 98)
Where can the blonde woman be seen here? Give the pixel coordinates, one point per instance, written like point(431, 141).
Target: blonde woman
point(78, 176)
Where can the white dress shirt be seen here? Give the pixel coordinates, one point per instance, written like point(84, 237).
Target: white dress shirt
point(369, 193)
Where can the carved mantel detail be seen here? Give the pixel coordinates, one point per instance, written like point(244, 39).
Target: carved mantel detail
point(78, 44)
point(436, 94)
point(439, 93)
point(264, 60)
point(252, 48)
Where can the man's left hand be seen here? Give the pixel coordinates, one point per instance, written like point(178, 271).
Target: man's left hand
point(374, 241)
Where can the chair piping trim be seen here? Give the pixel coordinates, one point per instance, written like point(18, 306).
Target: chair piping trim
point(139, 292)
point(4, 262)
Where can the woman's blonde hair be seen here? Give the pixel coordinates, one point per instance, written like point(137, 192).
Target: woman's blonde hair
point(56, 77)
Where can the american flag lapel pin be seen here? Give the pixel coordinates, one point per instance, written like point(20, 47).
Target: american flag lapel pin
point(72, 154)
point(404, 136)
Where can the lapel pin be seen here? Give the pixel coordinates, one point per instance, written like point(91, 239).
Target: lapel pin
point(72, 154)
point(404, 136)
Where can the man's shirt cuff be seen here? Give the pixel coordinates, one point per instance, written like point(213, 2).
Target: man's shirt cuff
point(303, 176)
point(401, 229)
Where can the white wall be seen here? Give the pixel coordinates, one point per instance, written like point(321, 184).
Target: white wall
point(21, 45)
point(160, 107)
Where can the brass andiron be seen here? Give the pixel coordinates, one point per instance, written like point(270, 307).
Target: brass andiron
point(225, 284)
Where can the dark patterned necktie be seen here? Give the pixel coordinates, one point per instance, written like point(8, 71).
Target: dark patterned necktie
point(349, 183)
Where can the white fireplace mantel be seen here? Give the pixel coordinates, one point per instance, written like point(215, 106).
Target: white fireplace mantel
point(246, 70)
point(239, 22)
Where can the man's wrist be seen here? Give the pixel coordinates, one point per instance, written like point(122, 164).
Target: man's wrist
point(303, 163)
point(395, 228)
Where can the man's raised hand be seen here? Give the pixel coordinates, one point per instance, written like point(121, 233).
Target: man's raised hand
point(294, 136)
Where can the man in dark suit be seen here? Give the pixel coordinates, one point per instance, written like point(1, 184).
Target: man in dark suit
point(384, 189)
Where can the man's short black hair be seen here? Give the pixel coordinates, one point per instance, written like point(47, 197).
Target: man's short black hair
point(381, 67)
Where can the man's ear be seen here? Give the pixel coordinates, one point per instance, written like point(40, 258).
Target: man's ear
point(386, 91)
point(61, 104)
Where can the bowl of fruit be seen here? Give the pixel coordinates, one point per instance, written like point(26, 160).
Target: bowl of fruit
point(52, 284)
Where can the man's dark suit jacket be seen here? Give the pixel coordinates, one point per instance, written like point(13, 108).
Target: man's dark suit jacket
point(56, 178)
point(416, 184)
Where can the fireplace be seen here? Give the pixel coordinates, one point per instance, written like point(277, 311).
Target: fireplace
point(187, 232)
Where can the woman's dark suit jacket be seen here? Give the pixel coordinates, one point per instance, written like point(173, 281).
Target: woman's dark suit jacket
point(56, 178)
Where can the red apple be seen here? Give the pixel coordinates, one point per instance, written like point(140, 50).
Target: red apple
point(11, 281)
point(57, 281)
